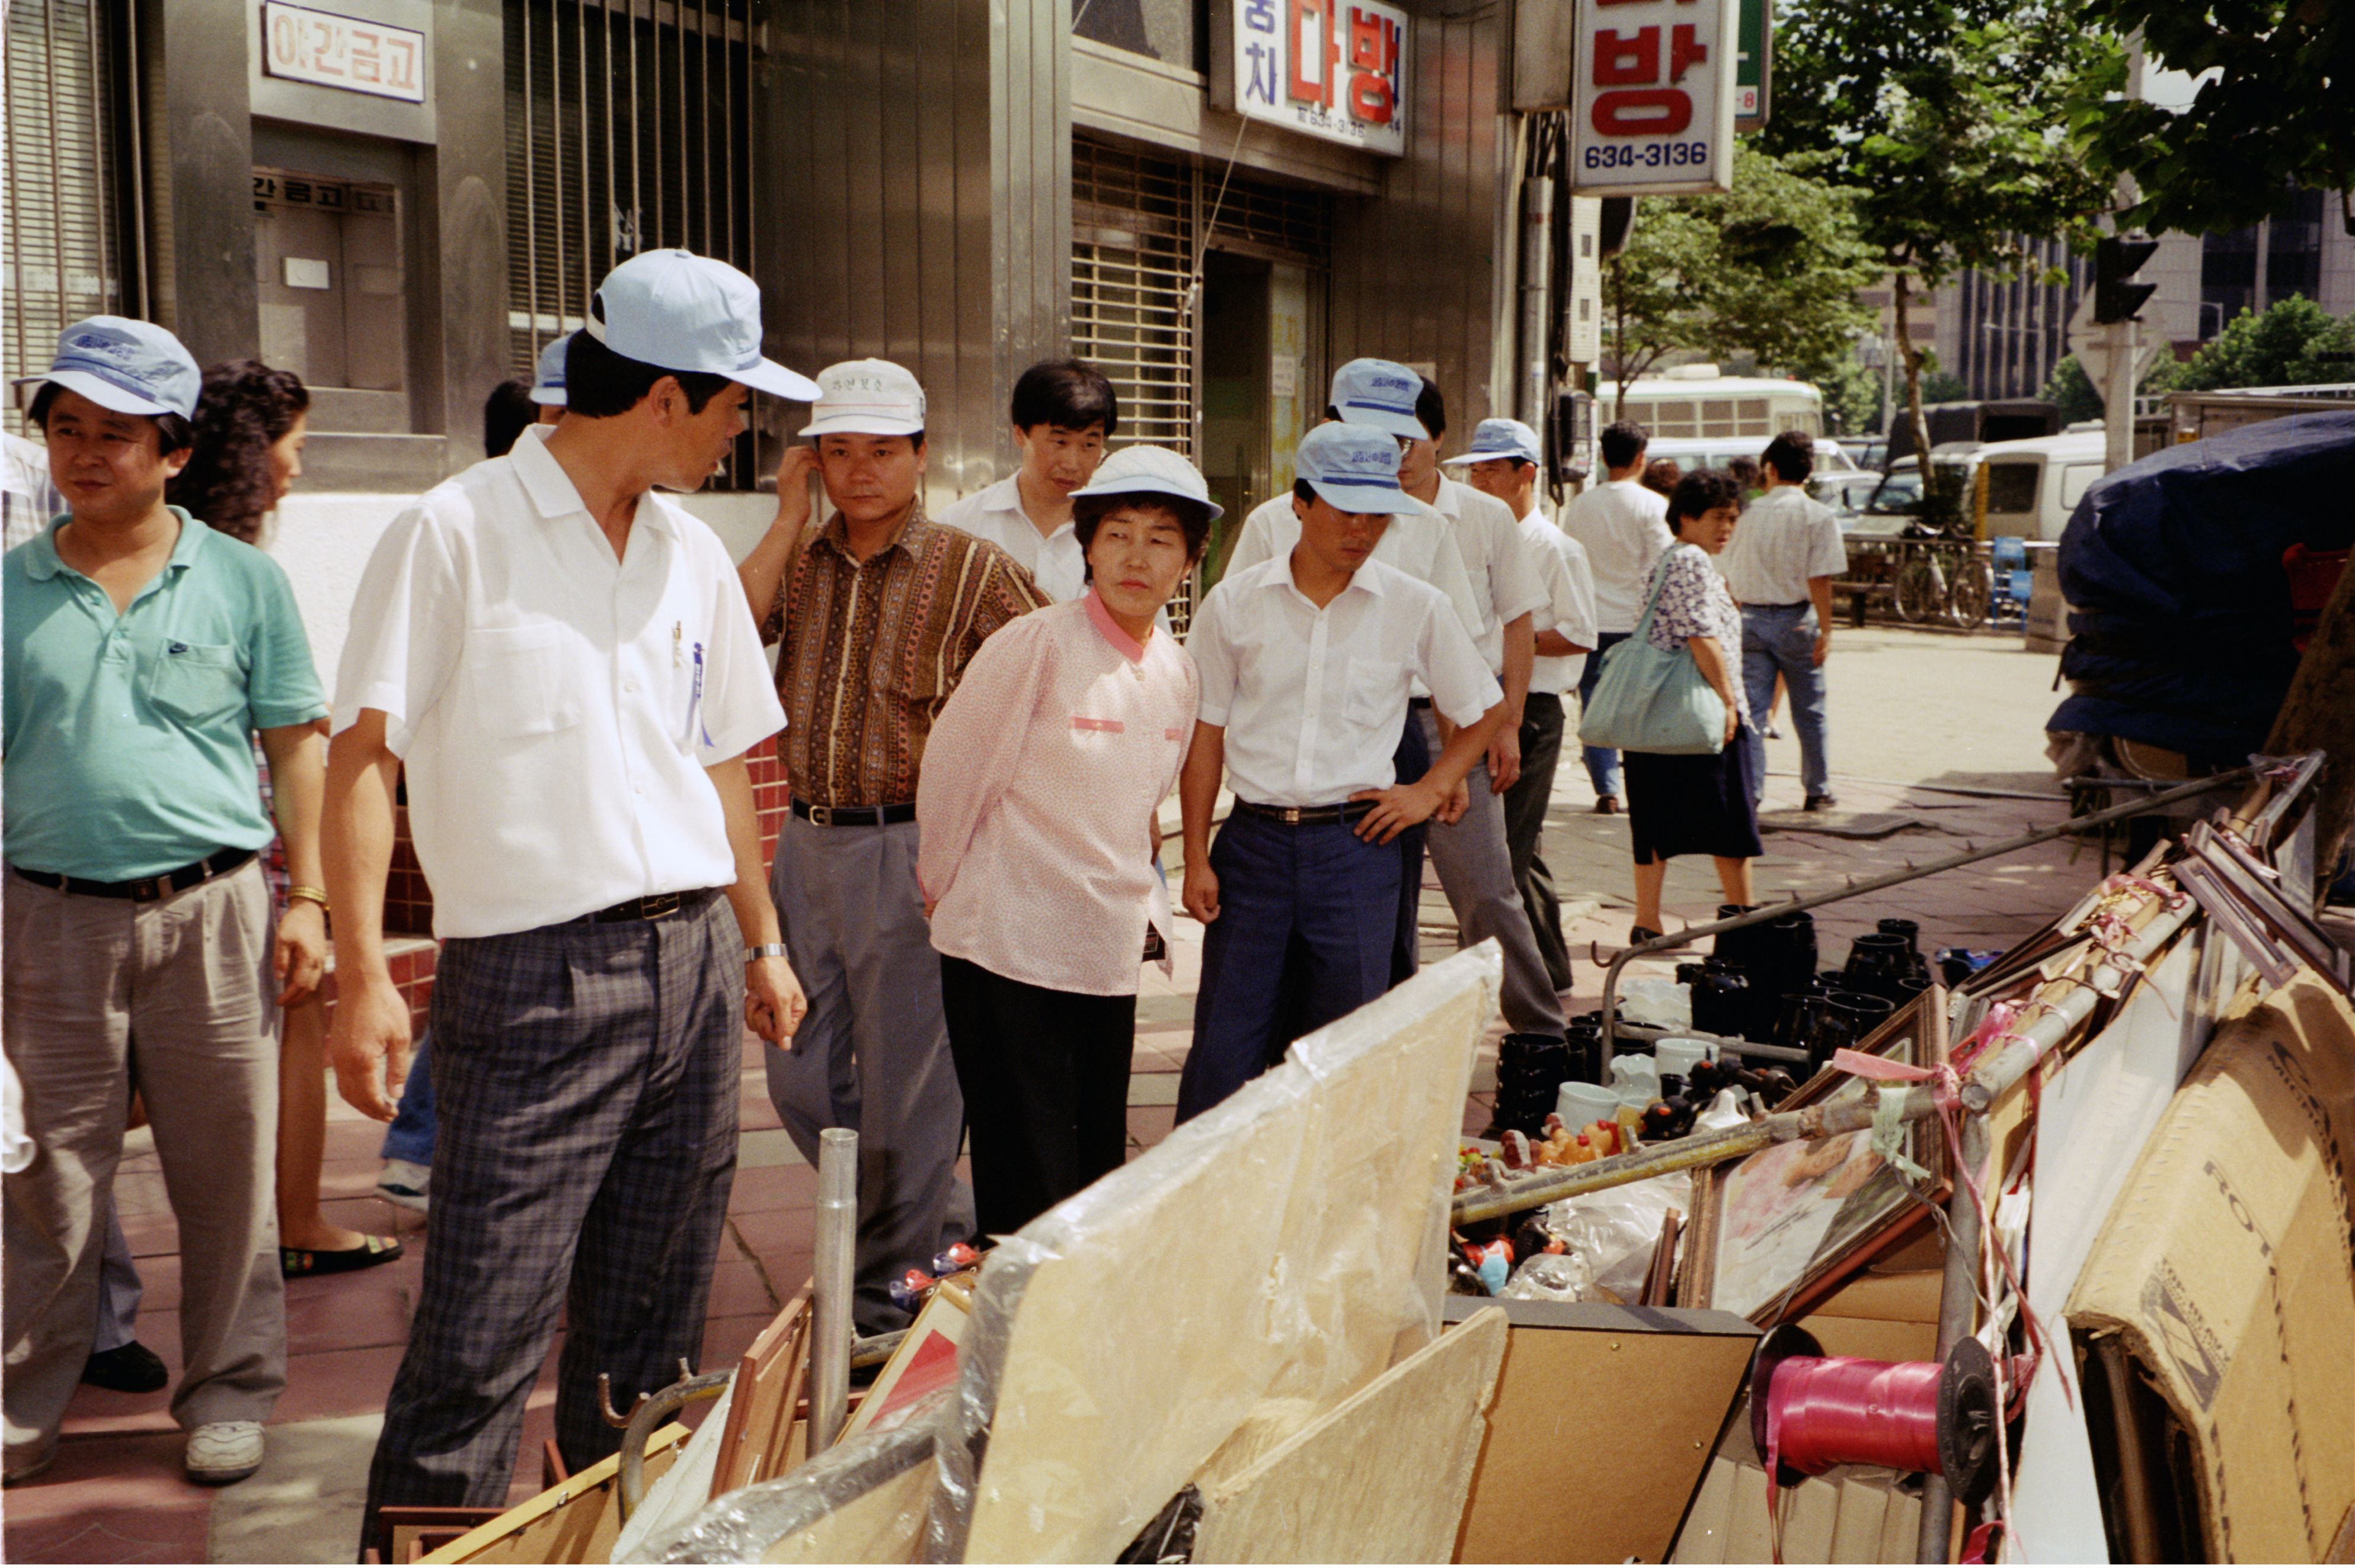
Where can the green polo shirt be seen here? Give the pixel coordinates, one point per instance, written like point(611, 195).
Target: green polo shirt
point(128, 738)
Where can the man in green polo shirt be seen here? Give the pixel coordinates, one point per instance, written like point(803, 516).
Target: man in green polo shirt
point(143, 650)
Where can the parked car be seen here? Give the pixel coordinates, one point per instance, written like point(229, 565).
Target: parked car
point(2033, 486)
point(1866, 451)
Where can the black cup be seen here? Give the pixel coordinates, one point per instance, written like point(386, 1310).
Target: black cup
point(1879, 963)
point(1721, 1000)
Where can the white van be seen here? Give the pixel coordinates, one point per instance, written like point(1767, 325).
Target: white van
point(2027, 489)
point(1691, 452)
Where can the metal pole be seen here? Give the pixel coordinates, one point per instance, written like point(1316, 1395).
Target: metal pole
point(1959, 1297)
point(1537, 286)
point(830, 1272)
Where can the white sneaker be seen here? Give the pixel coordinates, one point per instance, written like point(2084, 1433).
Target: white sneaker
point(404, 1183)
point(221, 1452)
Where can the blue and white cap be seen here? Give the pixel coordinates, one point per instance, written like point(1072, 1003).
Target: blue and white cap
point(679, 311)
point(1355, 467)
point(131, 367)
point(1149, 469)
point(548, 380)
point(1380, 393)
point(867, 397)
point(1494, 439)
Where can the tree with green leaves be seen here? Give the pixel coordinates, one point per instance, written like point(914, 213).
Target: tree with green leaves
point(2275, 111)
point(2294, 343)
point(2074, 392)
point(1770, 269)
point(1951, 118)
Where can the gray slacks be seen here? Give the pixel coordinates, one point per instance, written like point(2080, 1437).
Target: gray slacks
point(104, 995)
point(586, 1077)
point(1525, 811)
point(873, 1053)
point(1477, 874)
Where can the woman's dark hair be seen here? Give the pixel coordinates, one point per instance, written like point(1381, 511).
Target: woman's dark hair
point(1087, 511)
point(177, 434)
point(244, 407)
point(1702, 490)
point(1661, 474)
point(1067, 392)
point(600, 384)
point(507, 413)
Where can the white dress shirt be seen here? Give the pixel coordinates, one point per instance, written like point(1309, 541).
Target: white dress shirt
point(1314, 700)
point(556, 707)
point(1783, 539)
point(1570, 606)
point(1055, 561)
point(1505, 580)
point(1624, 528)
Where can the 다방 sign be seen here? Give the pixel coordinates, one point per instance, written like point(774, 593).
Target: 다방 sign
point(1652, 110)
point(1334, 69)
point(353, 54)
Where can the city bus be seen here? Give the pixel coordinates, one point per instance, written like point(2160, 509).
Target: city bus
point(1695, 402)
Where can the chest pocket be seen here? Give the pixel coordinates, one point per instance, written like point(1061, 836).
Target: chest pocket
point(1374, 695)
point(197, 683)
point(519, 685)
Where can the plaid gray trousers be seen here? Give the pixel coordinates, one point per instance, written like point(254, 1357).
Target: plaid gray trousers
point(587, 1080)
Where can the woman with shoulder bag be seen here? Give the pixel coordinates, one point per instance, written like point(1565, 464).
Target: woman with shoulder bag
point(1695, 803)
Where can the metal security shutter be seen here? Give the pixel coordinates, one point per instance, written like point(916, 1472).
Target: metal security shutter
point(1132, 257)
point(629, 129)
point(66, 242)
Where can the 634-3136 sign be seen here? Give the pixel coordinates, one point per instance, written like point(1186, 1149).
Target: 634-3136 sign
point(1652, 113)
point(1334, 69)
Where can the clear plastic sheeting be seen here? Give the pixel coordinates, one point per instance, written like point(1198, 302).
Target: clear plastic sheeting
point(1614, 1231)
point(1256, 1267)
point(863, 1500)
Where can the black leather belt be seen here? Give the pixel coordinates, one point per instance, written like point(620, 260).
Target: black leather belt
point(652, 906)
point(854, 816)
point(144, 889)
point(1303, 816)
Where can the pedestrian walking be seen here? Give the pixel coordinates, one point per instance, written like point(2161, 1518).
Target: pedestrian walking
point(1064, 412)
point(877, 615)
point(1503, 463)
point(559, 658)
point(1782, 564)
point(1038, 799)
point(1622, 525)
point(1698, 803)
point(1305, 662)
point(144, 650)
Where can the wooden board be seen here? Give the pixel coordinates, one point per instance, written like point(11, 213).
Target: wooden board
point(576, 1521)
point(885, 1525)
point(754, 1445)
point(1382, 1477)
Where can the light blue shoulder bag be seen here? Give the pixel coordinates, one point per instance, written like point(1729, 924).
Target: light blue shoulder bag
point(1647, 700)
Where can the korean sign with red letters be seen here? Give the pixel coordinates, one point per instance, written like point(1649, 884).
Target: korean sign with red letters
point(327, 50)
point(1334, 69)
point(1652, 113)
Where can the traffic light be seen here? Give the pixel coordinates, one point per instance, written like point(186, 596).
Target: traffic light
point(2117, 297)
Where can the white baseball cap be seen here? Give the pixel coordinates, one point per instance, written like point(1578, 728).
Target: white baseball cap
point(130, 366)
point(867, 397)
point(679, 311)
point(1355, 467)
point(1380, 393)
point(1155, 471)
point(1501, 439)
point(548, 380)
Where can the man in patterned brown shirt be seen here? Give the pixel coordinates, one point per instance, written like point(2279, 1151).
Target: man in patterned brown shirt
point(878, 612)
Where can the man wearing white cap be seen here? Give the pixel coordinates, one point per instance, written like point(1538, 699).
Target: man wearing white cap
point(1503, 464)
point(877, 615)
point(1306, 661)
point(143, 650)
point(560, 658)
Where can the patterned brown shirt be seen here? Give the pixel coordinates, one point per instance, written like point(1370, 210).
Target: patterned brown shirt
point(874, 648)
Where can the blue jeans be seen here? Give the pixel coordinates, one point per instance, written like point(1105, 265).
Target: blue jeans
point(1319, 888)
point(411, 1136)
point(1781, 639)
point(1602, 762)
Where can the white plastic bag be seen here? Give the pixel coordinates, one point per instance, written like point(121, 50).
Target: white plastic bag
point(1614, 1231)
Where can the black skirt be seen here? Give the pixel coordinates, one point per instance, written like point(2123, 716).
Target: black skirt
point(1692, 805)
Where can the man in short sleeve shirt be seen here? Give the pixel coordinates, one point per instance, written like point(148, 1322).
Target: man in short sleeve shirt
point(1781, 563)
point(562, 660)
point(1063, 412)
point(144, 652)
point(1624, 528)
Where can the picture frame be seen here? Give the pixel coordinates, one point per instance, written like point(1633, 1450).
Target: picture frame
point(1775, 1233)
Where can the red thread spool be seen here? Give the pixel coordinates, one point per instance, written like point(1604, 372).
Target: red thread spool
point(1810, 1412)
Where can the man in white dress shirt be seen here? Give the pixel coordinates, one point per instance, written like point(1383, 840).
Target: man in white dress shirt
point(1503, 463)
point(563, 661)
point(1781, 564)
point(1306, 661)
point(1624, 528)
point(1063, 412)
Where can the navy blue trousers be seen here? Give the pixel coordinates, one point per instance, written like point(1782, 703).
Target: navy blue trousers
point(1318, 892)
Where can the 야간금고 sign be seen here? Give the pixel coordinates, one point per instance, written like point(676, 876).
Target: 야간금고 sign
point(344, 52)
point(1653, 103)
point(1334, 69)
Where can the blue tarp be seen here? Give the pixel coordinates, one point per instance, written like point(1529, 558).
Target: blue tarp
point(2181, 631)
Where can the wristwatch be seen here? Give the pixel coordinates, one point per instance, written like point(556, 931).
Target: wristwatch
point(765, 951)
